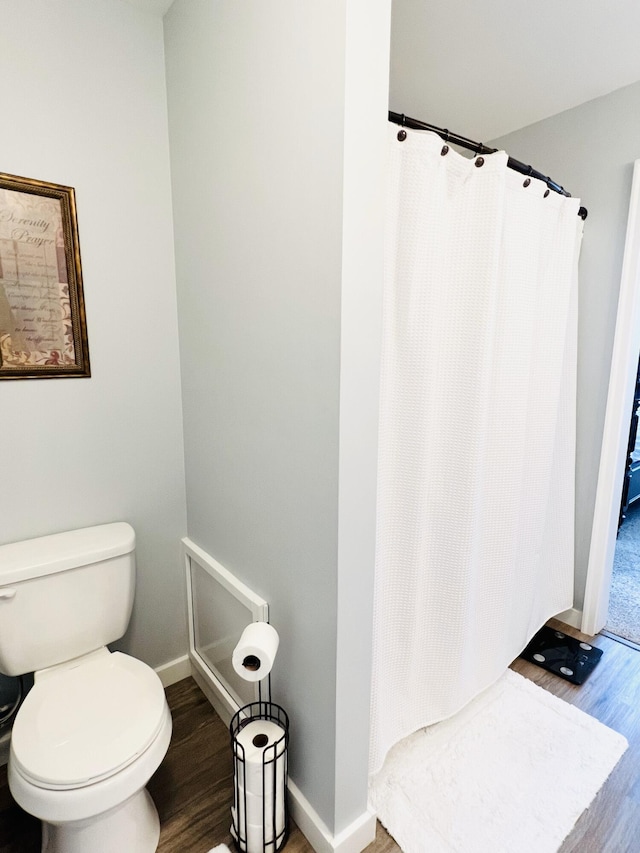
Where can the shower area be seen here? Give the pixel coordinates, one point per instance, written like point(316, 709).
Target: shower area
point(476, 475)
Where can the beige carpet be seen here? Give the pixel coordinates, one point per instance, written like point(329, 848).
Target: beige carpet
point(624, 604)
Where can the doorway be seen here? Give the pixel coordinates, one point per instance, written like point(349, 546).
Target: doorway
point(623, 621)
point(626, 348)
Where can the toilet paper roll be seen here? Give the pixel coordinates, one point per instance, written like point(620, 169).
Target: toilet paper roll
point(251, 838)
point(255, 653)
point(259, 807)
point(272, 786)
point(262, 744)
point(273, 819)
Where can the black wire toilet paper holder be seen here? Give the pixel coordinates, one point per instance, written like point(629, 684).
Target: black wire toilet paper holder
point(274, 776)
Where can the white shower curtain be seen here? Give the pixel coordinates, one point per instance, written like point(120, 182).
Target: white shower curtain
point(477, 434)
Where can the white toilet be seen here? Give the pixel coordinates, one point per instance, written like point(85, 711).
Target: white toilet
point(96, 724)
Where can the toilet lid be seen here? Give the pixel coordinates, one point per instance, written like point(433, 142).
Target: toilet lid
point(82, 724)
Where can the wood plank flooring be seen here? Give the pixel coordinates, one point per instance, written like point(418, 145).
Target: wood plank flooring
point(611, 695)
point(193, 787)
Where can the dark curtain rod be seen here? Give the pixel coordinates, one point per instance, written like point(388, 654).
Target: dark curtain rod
point(479, 148)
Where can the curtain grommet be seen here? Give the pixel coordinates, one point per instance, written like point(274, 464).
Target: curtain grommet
point(526, 182)
point(444, 150)
point(479, 161)
point(546, 192)
point(402, 135)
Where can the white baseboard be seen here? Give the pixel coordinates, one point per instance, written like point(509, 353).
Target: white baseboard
point(571, 617)
point(222, 703)
point(358, 835)
point(174, 670)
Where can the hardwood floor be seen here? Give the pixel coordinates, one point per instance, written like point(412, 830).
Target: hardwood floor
point(193, 787)
point(611, 695)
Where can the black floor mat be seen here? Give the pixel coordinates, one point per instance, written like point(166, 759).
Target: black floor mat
point(563, 655)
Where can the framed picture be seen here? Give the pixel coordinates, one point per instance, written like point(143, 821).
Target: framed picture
point(43, 330)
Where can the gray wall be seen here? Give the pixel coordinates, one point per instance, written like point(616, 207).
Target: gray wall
point(278, 122)
point(257, 191)
point(590, 150)
point(278, 238)
point(83, 104)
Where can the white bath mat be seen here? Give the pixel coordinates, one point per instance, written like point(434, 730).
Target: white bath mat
point(221, 848)
point(513, 771)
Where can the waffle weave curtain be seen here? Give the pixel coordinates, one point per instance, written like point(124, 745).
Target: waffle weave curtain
point(477, 429)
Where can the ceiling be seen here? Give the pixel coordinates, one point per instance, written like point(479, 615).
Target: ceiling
point(485, 69)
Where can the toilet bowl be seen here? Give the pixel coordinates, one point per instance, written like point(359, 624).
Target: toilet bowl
point(96, 725)
point(85, 742)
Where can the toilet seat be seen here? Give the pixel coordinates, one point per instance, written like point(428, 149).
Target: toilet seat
point(78, 804)
point(86, 721)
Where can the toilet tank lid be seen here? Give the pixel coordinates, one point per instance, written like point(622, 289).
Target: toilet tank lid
point(58, 552)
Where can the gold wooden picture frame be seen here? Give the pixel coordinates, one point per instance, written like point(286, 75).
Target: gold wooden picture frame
point(43, 329)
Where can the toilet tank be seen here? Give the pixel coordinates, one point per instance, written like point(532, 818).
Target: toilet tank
point(64, 595)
